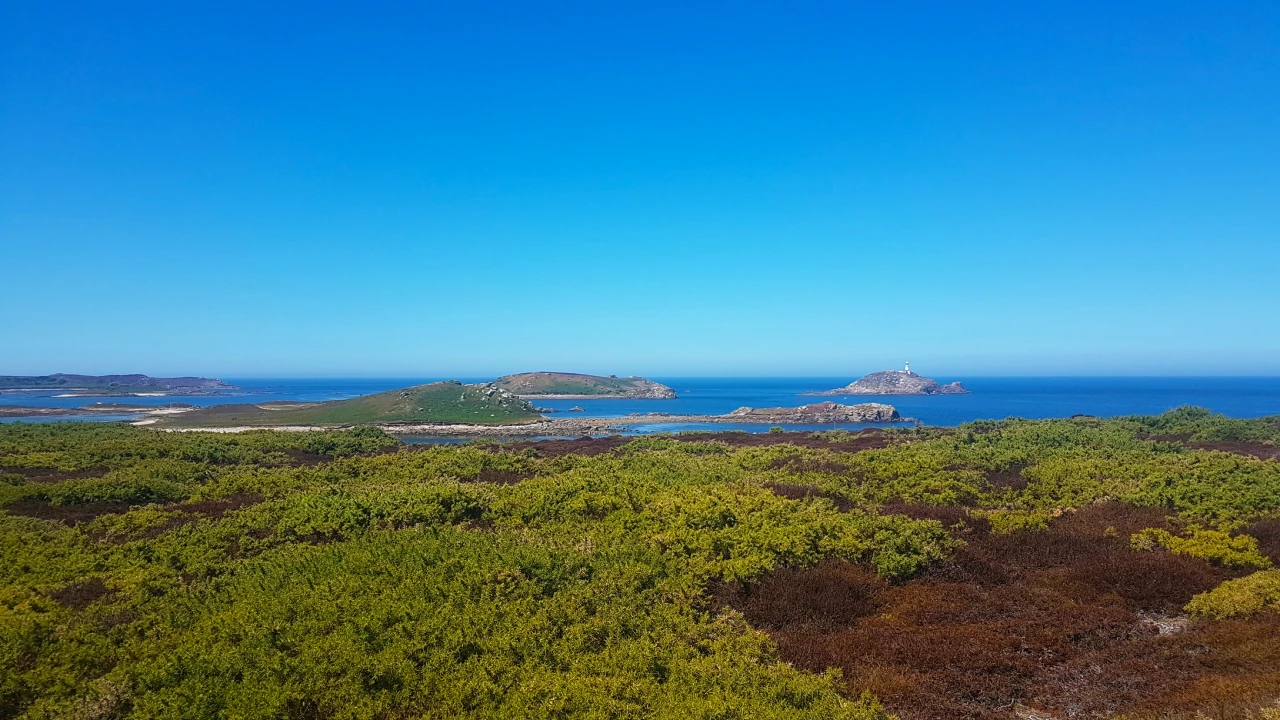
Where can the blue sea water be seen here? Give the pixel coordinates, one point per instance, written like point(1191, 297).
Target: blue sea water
point(991, 398)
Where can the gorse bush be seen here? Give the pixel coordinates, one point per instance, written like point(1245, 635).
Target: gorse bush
point(1004, 522)
point(447, 623)
point(1216, 546)
point(76, 446)
point(1236, 598)
point(1202, 425)
point(338, 574)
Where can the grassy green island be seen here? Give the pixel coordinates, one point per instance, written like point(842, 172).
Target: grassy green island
point(1088, 568)
point(443, 402)
point(576, 385)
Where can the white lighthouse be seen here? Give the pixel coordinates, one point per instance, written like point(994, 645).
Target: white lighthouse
point(906, 369)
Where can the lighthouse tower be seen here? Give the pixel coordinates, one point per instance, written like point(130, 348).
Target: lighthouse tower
point(907, 368)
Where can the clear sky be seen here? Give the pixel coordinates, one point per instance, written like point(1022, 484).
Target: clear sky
point(266, 189)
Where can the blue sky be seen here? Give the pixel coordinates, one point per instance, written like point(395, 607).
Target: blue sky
point(651, 188)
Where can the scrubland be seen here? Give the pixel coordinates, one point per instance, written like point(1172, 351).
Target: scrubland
point(1067, 568)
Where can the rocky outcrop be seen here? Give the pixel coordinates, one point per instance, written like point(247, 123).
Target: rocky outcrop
point(896, 382)
point(819, 413)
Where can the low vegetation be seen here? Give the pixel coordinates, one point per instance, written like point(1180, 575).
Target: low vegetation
point(1259, 592)
point(997, 569)
point(1216, 546)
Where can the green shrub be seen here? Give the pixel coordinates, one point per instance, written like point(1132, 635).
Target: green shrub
point(450, 624)
point(1215, 546)
point(1236, 598)
point(478, 582)
point(127, 491)
point(1205, 426)
point(1004, 522)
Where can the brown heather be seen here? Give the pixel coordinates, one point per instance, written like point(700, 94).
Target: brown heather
point(1065, 622)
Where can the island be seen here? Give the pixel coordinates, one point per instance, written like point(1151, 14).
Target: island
point(441, 402)
point(817, 414)
point(575, 386)
point(895, 382)
point(100, 385)
point(452, 409)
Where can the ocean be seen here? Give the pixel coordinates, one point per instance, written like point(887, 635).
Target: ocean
point(991, 398)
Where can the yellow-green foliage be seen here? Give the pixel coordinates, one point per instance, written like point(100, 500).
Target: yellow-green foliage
point(1216, 546)
point(1004, 522)
point(396, 585)
point(1235, 598)
point(448, 623)
point(1205, 426)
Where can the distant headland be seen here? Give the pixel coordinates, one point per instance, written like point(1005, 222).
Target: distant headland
point(98, 385)
point(575, 386)
point(441, 402)
point(896, 382)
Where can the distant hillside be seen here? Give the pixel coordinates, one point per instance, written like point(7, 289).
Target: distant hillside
point(444, 402)
point(574, 386)
point(111, 384)
point(896, 382)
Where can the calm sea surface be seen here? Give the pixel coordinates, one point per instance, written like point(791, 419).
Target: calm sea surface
point(992, 398)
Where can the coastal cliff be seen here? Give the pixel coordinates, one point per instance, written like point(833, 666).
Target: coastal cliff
point(896, 382)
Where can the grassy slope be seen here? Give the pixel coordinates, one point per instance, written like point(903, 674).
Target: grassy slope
point(550, 383)
point(438, 402)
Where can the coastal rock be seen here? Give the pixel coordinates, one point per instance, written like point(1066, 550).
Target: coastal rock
point(896, 382)
point(819, 413)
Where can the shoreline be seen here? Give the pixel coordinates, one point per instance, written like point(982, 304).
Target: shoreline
point(22, 411)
